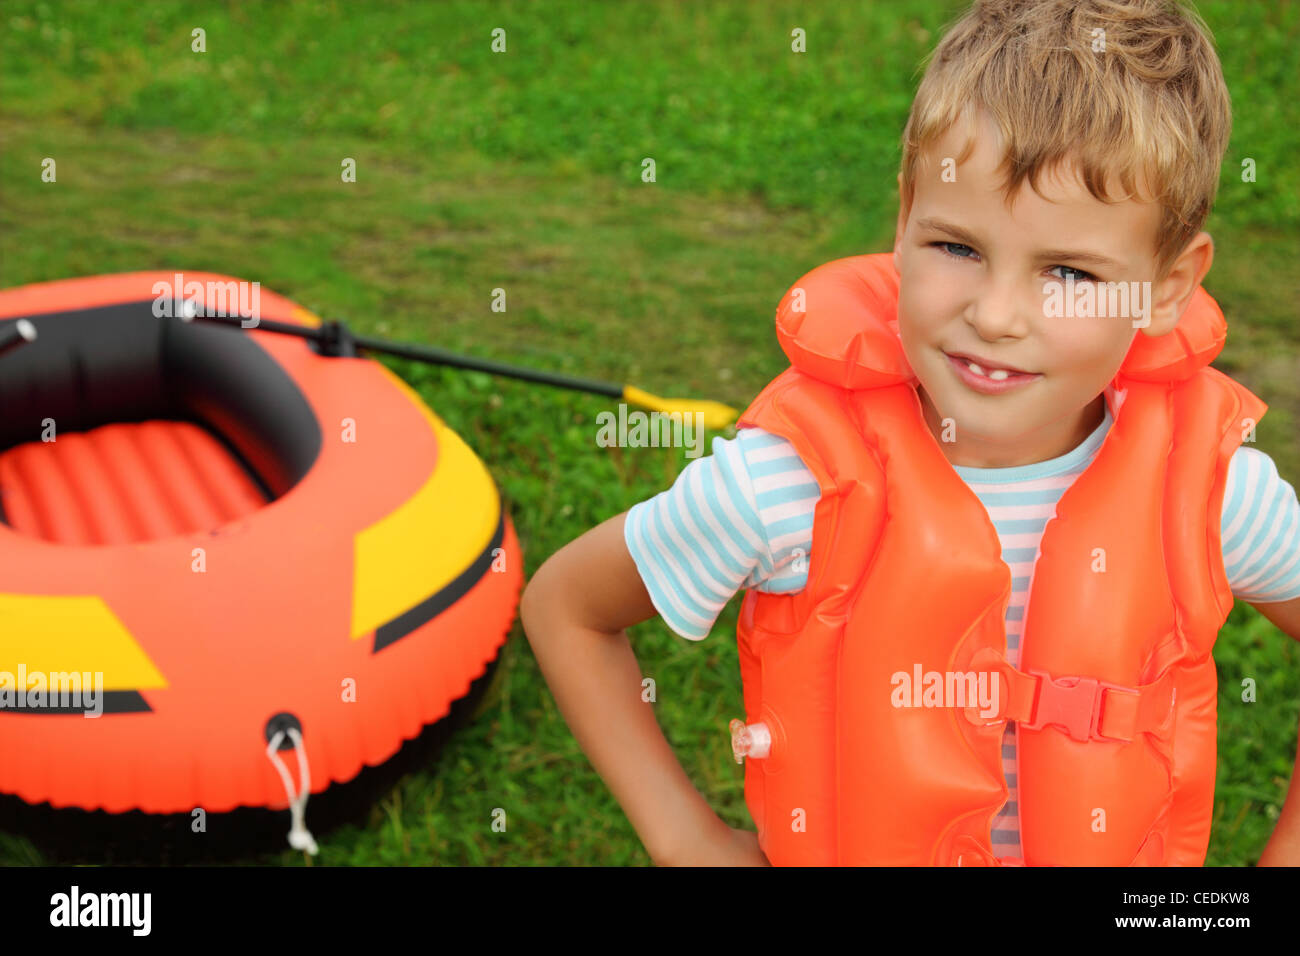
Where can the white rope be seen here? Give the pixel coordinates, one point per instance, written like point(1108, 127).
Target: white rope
point(300, 837)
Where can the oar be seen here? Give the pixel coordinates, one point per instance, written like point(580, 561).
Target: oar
point(336, 339)
point(18, 334)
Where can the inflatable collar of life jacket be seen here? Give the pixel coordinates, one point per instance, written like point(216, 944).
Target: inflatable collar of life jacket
point(839, 324)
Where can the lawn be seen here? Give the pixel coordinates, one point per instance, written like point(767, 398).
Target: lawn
point(522, 170)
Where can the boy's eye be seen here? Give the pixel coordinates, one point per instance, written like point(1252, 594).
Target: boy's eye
point(947, 247)
point(1079, 274)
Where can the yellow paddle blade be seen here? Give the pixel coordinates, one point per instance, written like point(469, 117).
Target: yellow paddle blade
point(716, 415)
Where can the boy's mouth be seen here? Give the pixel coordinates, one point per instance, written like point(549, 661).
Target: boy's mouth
point(988, 379)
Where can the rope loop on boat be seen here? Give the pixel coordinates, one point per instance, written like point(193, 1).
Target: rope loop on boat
point(300, 837)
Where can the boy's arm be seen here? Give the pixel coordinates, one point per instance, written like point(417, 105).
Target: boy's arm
point(1283, 847)
point(574, 611)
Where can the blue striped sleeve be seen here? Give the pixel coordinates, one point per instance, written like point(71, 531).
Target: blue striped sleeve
point(785, 497)
point(700, 541)
point(1260, 530)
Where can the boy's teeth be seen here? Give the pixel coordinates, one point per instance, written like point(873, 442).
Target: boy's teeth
point(997, 374)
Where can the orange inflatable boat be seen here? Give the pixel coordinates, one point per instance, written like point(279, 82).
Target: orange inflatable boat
point(263, 566)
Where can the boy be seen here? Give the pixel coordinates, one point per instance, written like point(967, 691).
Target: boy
point(1052, 144)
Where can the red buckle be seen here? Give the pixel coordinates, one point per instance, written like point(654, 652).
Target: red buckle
point(1073, 704)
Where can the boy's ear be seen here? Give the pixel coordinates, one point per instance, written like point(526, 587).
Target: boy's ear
point(1171, 295)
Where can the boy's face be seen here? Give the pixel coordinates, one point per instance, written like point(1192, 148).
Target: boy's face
point(972, 276)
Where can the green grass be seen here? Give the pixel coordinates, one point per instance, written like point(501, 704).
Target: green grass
point(522, 171)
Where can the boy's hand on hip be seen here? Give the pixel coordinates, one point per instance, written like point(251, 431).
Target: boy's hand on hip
point(731, 846)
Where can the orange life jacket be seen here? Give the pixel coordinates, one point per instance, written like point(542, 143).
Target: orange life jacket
point(1115, 694)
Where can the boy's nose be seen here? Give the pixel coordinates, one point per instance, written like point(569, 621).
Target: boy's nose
point(994, 323)
point(998, 311)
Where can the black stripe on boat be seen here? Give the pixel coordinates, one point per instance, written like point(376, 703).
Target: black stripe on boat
point(435, 604)
point(113, 701)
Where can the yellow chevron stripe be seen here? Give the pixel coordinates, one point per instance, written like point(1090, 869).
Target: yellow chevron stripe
point(57, 634)
point(420, 547)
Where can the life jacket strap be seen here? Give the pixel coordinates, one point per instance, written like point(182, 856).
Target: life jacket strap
point(1086, 708)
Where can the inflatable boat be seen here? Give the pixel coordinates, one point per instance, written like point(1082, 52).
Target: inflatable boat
point(235, 568)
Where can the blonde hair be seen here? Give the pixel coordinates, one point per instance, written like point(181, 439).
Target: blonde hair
point(1146, 98)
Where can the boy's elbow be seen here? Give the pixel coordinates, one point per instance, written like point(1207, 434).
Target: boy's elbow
point(536, 597)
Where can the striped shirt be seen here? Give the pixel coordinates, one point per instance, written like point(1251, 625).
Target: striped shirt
point(742, 517)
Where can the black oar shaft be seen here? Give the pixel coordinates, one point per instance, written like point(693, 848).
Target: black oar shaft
point(437, 356)
point(333, 333)
point(265, 325)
